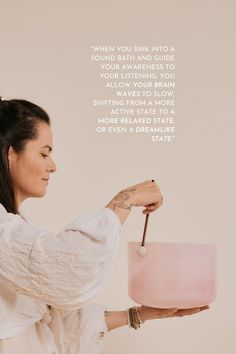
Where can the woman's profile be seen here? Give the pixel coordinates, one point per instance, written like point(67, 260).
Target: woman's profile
point(47, 280)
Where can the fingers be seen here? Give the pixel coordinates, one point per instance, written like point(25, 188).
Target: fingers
point(152, 313)
point(149, 210)
point(154, 206)
point(207, 307)
point(162, 313)
point(188, 312)
point(168, 312)
point(148, 195)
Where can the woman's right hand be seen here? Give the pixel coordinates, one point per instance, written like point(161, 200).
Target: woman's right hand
point(146, 194)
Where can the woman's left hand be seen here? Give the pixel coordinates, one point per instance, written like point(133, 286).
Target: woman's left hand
point(151, 313)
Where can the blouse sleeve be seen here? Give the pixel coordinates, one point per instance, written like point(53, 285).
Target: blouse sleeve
point(65, 270)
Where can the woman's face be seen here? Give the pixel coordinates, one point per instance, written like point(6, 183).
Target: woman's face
point(30, 169)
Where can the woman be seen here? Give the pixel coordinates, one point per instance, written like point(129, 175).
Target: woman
point(47, 280)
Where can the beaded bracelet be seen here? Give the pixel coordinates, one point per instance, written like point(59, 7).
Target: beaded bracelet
point(134, 319)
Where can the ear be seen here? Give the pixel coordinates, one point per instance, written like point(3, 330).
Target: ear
point(11, 155)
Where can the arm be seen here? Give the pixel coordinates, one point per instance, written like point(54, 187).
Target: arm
point(68, 269)
point(115, 319)
point(145, 194)
point(65, 270)
point(122, 204)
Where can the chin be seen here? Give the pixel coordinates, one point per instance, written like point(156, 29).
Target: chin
point(39, 194)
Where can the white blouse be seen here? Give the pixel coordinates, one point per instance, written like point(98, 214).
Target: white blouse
point(48, 280)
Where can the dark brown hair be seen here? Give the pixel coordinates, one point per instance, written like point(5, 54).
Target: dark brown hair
point(18, 124)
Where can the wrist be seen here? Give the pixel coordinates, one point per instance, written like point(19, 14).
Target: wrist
point(124, 199)
point(134, 317)
point(122, 204)
point(143, 313)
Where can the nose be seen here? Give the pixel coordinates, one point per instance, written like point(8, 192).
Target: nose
point(52, 167)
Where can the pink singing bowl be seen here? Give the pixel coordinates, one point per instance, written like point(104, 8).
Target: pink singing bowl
point(181, 275)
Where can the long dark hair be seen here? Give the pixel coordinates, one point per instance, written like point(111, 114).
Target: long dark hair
point(18, 124)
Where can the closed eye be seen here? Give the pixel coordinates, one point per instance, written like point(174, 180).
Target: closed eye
point(44, 156)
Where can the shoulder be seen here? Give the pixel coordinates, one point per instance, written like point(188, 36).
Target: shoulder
point(2, 207)
point(3, 212)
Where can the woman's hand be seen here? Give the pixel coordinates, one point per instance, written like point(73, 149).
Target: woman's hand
point(151, 313)
point(115, 319)
point(146, 194)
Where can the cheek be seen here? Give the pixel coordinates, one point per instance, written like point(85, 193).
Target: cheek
point(36, 168)
point(30, 170)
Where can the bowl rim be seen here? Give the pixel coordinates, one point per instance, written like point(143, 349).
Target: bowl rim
point(215, 245)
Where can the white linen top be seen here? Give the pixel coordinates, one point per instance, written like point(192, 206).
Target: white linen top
point(48, 280)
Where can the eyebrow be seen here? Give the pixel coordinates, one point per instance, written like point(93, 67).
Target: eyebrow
point(47, 146)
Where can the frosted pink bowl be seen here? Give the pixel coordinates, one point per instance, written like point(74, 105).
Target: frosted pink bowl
point(181, 275)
